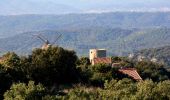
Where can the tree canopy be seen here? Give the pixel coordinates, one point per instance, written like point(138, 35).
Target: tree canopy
point(57, 73)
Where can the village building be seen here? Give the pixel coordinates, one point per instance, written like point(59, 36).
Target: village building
point(105, 60)
point(96, 55)
point(131, 72)
point(99, 56)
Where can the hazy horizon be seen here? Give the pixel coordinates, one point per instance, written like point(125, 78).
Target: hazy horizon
point(17, 7)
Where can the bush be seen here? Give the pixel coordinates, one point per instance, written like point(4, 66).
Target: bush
point(82, 93)
point(100, 73)
point(21, 91)
point(122, 89)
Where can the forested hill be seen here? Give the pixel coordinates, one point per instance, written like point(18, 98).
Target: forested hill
point(162, 54)
point(11, 25)
point(116, 40)
point(118, 32)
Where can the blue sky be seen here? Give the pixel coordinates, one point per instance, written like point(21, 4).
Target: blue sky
point(8, 7)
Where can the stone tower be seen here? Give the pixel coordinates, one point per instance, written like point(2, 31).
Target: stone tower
point(96, 53)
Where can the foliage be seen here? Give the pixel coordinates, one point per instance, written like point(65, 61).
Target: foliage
point(83, 61)
point(116, 59)
point(163, 90)
point(82, 93)
point(50, 67)
point(83, 65)
point(11, 64)
point(153, 71)
point(145, 90)
point(162, 54)
point(117, 41)
point(100, 73)
point(54, 65)
point(123, 61)
point(123, 90)
point(10, 71)
point(10, 61)
point(59, 69)
point(21, 91)
point(6, 81)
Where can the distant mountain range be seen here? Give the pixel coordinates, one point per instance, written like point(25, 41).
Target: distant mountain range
point(119, 32)
point(11, 25)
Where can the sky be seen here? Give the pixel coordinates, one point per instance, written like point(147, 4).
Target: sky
point(12, 7)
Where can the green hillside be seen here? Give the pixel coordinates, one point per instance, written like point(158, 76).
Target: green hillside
point(116, 40)
point(118, 32)
point(162, 54)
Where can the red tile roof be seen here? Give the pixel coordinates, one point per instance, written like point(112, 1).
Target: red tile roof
point(106, 60)
point(132, 72)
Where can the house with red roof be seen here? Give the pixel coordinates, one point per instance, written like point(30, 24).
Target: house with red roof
point(105, 60)
point(131, 72)
point(98, 56)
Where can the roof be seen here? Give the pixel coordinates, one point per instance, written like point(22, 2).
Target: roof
point(132, 72)
point(106, 60)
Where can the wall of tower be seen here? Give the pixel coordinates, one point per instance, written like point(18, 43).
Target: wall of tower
point(96, 53)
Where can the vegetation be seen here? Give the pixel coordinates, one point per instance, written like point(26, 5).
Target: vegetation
point(54, 65)
point(57, 73)
point(154, 71)
point(117, 41)
point(25, 23)
point(21, 91)
point(124, 89)
point(161, 54)
point(118, 32)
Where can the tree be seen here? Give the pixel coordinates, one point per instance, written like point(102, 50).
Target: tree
point(145, 90)
point(11, 61)
point(154, 71)
point(6, 81)
point(118, 90)
point(83, 61)
point(100, 73)
point(163, 90)
point(54, 65)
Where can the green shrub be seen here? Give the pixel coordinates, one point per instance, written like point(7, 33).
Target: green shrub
point(22, 91)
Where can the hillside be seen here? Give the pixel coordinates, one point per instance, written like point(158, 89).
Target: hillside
point(119, 32)
point(12, 25)
point(81, 40)
point(116, 40)
point(162, 54)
